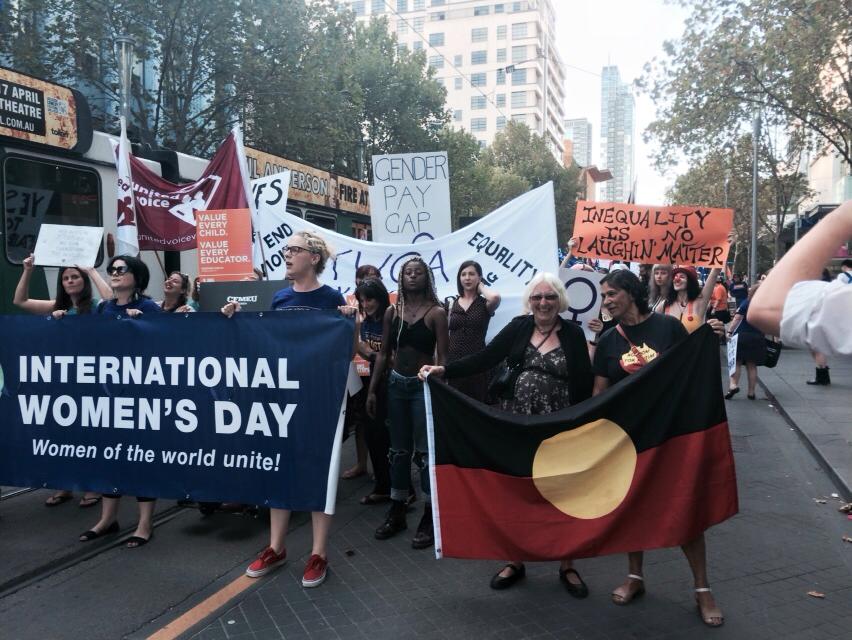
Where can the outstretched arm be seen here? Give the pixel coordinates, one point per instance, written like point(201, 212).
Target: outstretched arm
point(804, 261)
point(22, 292)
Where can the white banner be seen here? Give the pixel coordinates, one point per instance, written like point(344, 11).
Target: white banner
point(584, 297)
point(512, 244)
point(410, 197)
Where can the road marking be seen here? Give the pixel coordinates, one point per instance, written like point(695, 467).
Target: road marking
point(203, 609)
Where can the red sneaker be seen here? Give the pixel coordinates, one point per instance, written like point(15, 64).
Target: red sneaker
point(266, 562)
point(315, 571)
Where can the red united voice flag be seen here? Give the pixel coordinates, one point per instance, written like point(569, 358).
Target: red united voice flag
point(647, 464)
point(165, 212)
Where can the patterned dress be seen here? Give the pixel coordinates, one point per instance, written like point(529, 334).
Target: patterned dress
point(467, 336)
point(542, 386)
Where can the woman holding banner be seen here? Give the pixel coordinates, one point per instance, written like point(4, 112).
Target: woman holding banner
point(638, 338)
point(305, 256)
point(73, 297)
point(549, 369)
point(414, 334)
point(128, 278)
point(468, 317)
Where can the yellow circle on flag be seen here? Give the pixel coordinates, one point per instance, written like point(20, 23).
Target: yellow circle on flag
point(586, 472)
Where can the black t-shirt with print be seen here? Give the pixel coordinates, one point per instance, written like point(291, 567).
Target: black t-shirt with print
point(614, 358)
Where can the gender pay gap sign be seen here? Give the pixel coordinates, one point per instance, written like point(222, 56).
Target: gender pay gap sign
point(650, 234)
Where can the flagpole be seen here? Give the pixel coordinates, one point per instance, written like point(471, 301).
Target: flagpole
point(255, 223)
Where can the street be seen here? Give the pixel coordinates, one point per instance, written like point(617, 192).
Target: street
point(782, 545)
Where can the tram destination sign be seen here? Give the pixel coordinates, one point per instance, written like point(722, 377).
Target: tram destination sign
point(38, 112)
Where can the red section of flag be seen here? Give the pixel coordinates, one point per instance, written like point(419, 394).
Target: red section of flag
point(165, 211)
point(679, 489)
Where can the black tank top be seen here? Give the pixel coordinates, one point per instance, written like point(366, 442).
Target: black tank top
point(417, 336)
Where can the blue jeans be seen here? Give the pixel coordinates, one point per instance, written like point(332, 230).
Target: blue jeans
point(407, 418)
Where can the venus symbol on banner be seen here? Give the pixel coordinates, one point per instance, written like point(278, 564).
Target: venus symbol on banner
point(584, 299)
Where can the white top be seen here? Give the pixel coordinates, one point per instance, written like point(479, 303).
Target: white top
point(818, 315)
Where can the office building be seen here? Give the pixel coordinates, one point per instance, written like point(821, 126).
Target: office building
point(497, 60)
point(579, 132)
point(617, 136)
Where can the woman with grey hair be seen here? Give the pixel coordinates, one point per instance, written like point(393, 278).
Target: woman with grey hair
point(550, 370)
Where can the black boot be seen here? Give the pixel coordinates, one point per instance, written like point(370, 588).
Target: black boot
point(425, 536)
point(822, 377)
point(394, 521)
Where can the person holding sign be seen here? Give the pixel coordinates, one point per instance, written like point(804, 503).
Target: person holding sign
point(73, 296)
point(305, 256)
point(414, 334)
point(128, 277)
point(550, 370)
point(687, 301)
point(469, 315)
point(640, 337)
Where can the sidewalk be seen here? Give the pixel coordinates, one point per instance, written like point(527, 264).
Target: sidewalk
point(822, 415)
point(763, 563)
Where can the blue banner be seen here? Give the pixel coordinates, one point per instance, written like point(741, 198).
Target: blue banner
point(198, 406)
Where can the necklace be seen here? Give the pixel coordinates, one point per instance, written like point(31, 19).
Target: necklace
point(545, 332)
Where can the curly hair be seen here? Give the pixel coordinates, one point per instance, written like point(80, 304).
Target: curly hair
point(318, 246)
point(626, 280)
point(431, 294)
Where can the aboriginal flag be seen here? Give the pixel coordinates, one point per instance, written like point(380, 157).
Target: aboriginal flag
point(647, 464)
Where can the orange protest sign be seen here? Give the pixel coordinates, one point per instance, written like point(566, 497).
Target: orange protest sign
point(687, 235)
point(224, 245)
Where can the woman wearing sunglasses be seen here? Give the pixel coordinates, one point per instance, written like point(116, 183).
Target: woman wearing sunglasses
point(551, 370)
point(128, 278)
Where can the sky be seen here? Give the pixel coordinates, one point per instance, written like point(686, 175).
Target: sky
point(626, 33)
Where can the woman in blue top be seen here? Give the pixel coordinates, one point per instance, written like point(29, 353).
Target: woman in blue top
point(73, 295)
point(128, 277)
point(751, 348)
point(305, 255)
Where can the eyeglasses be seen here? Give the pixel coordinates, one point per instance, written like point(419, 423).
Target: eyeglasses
point(550, 297)
point(296, 250)
point(119, 270)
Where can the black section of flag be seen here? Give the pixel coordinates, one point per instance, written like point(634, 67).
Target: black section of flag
point(678, 393)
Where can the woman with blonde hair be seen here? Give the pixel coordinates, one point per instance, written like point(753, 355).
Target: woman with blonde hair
point(305, 256)
point(550, 370)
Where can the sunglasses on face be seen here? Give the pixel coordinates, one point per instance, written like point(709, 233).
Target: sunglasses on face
point(550, 297)
point(118, 270)
point(295, 250)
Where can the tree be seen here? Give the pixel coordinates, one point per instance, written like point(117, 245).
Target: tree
point(789, 59)
point(519, 151)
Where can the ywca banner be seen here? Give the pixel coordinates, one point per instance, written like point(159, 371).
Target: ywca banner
point(646, 464)
point(165, 212)
point(512, 244)
point(198, 406)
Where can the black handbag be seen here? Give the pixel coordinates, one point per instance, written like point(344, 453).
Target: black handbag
point(773, 352)
point(502, 385)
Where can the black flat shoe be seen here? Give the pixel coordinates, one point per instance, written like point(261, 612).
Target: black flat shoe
point(750, 396)
point(731, 393)
point(499, 582)
point(134, 542)
point(91, 535)
point(576, 590)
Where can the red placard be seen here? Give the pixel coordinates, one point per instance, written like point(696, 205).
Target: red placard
point(224, 245)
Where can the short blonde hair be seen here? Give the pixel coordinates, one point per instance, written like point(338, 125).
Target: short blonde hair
point(555, 283)
point(318, 246)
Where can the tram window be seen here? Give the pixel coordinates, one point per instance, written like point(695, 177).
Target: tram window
point(40, 192)
point(321, 220)
point(296, 211)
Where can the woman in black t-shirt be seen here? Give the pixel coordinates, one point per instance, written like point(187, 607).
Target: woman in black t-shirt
point(640, 336)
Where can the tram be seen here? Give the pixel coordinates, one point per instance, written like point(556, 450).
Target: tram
point(55, 169)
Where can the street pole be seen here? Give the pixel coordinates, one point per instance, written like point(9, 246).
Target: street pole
point(752, 267)
point(125, 72)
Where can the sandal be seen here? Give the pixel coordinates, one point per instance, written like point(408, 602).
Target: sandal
point(627, 598)
point(91, 501)
point(712, 617)
point(57, 499)
point(375, 498)
point(134, 542)
point(91, 534)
